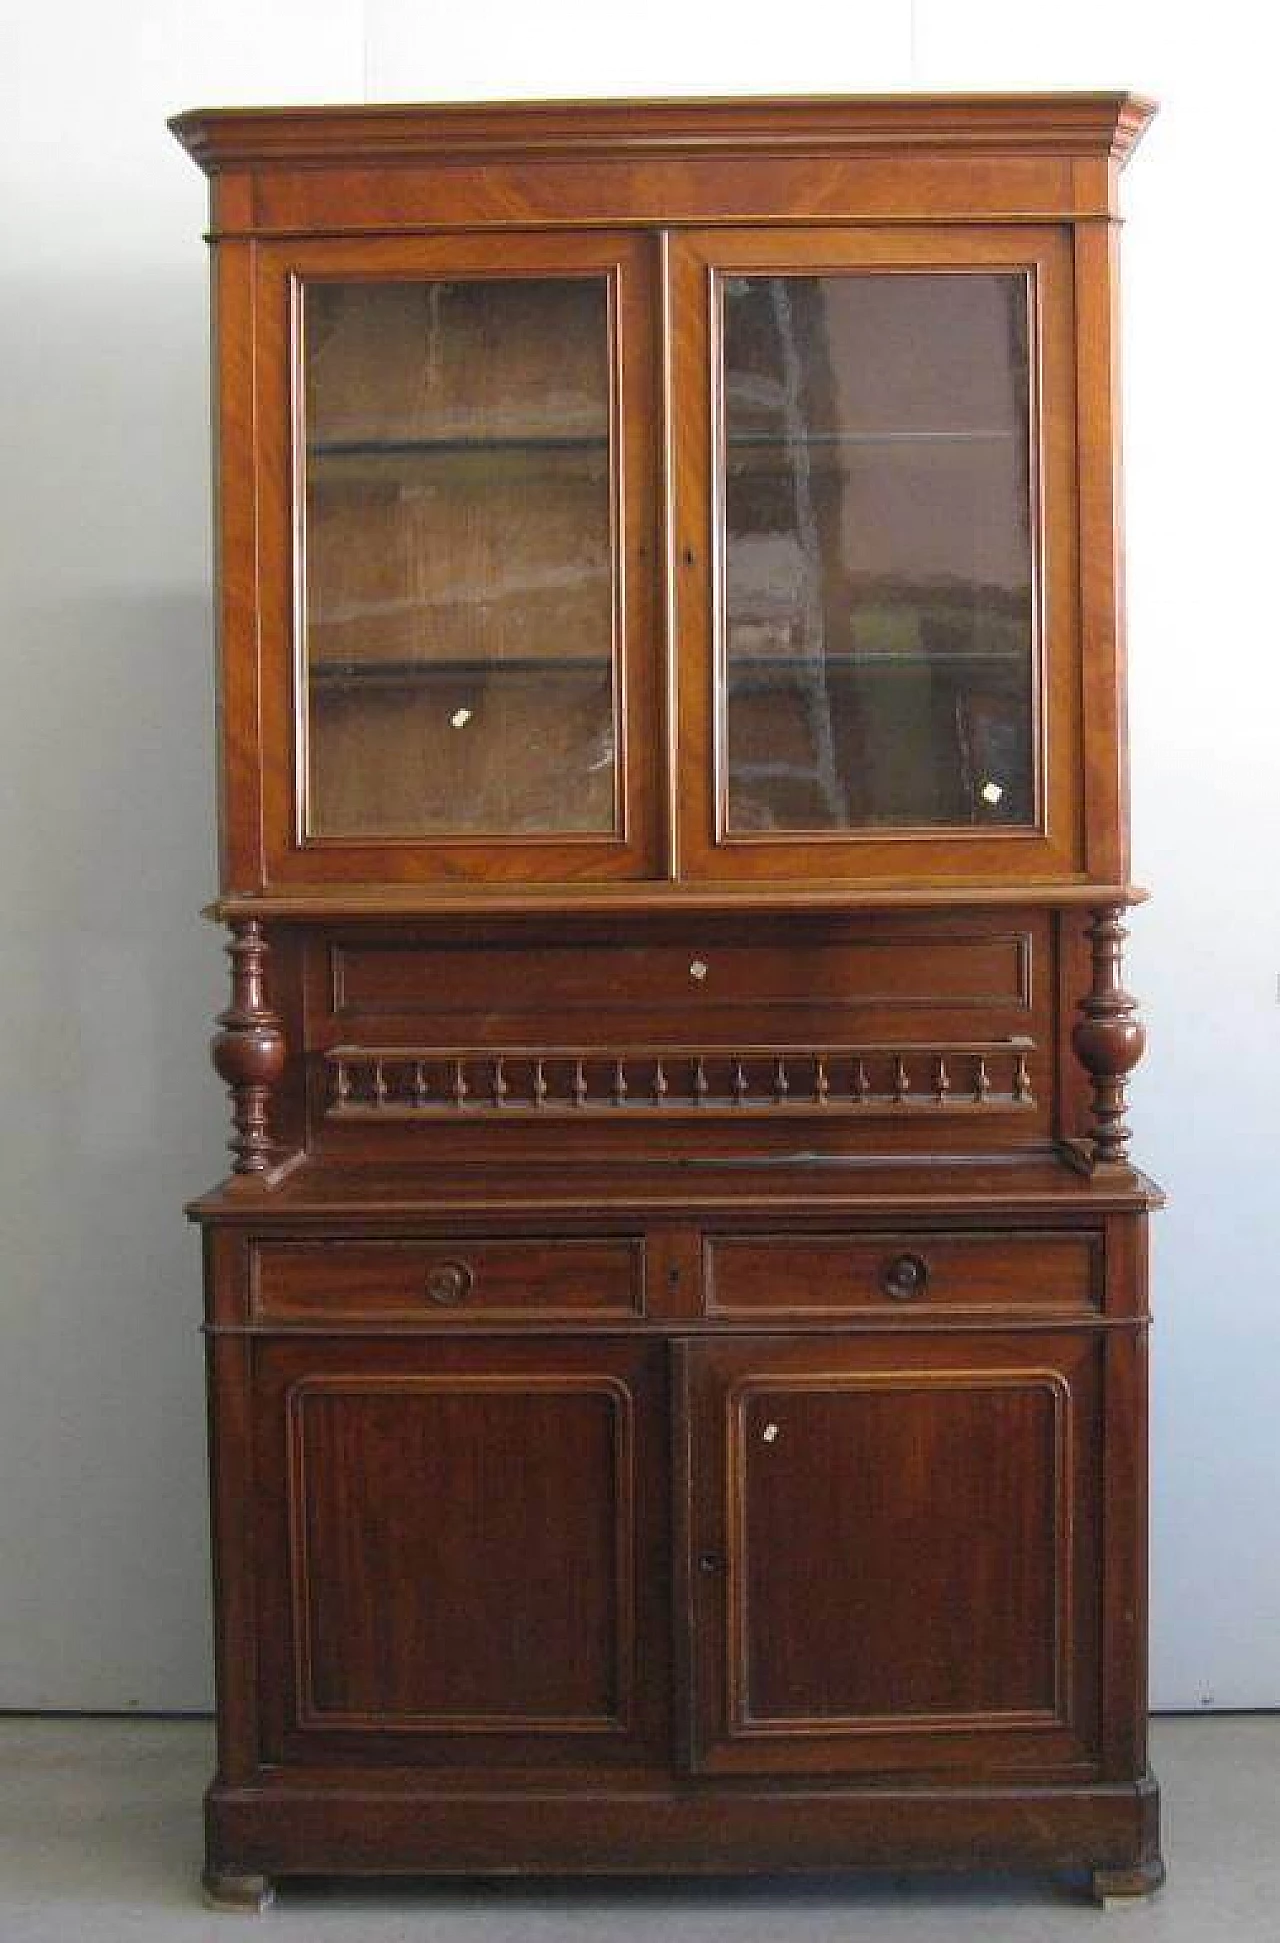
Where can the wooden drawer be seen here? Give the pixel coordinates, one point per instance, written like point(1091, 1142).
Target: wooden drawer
point(832, 1274)
point(450, 1281)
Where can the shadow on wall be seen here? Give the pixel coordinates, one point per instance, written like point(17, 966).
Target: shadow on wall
point(111, 977)
point(109, 1119)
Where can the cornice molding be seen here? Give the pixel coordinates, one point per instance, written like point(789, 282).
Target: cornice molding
point(832, 126)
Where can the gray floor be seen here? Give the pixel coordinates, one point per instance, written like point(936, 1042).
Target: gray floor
point(99, 1839)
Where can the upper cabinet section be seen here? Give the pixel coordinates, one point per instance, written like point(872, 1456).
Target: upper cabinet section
point(686, 496)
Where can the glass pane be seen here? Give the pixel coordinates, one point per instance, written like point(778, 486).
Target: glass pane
point(458, 579)
point(879, 623)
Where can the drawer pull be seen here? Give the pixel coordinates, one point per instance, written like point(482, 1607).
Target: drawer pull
point(449, 1283)
point(905, 1277)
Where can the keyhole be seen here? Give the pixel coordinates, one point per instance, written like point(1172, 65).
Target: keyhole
point(770, 1433)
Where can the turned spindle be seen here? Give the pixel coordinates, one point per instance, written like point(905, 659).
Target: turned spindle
point(1108, 1038)
point(249, 1050)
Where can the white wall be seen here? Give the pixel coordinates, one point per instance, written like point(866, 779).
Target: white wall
point(109, 1114)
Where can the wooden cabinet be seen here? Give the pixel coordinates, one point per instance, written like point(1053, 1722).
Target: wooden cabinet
point(677, 1314)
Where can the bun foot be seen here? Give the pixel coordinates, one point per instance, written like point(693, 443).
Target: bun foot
point(235, 1894)
point(1122, 1885)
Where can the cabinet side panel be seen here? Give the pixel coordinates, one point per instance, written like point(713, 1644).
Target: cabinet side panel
point(1125, 1517)
point(229, 1376)
point(1105, 748)
point(236, 568)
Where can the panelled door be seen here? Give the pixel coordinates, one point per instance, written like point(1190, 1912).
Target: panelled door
point(892, 1553)
point(462, 1551)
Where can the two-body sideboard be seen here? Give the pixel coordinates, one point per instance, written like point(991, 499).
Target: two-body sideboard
point(677, 1319)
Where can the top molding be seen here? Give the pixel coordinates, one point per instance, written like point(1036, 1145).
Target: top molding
point(833, 126)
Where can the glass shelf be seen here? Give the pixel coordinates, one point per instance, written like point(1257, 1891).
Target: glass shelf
point(411, 674)
point(804, 440)
point(448, 447)
point(793, 671)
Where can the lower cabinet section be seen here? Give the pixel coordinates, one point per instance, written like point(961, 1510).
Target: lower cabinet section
point(655, 1593)
point(888, 1545)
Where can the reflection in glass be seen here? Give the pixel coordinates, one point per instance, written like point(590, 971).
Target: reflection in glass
point(458, 581)
point(879, 623)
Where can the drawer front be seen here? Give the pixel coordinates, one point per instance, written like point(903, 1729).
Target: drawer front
point(450, 1281)
point(832, 1274)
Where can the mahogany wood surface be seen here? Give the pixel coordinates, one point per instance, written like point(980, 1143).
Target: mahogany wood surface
point(676, 1324)
point(525, 1486)
point(830, 1274)
point(373, 902)
point(505, 1280)
point(975, 1187)
point(844, 1494)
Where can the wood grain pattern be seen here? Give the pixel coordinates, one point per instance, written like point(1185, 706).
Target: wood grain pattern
point(943, 967)
point(444, 1622)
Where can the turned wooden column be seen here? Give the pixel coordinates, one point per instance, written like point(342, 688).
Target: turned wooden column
point(1108, 1038)
point(249, 1049)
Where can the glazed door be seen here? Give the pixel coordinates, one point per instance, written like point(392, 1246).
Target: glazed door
point(456, 590)
point(462, 1552)
point(876, 550)
point(892, 1554)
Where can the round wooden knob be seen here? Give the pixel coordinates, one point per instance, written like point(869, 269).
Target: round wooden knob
point(905, 1277)
point(449, 1283)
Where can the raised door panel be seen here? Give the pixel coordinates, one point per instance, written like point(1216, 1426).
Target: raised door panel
point(454, 446)
point(876, 516)
point(893, 1552)
point(462, 1552)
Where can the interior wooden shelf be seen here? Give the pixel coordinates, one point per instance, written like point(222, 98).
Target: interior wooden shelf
point(337, 464)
